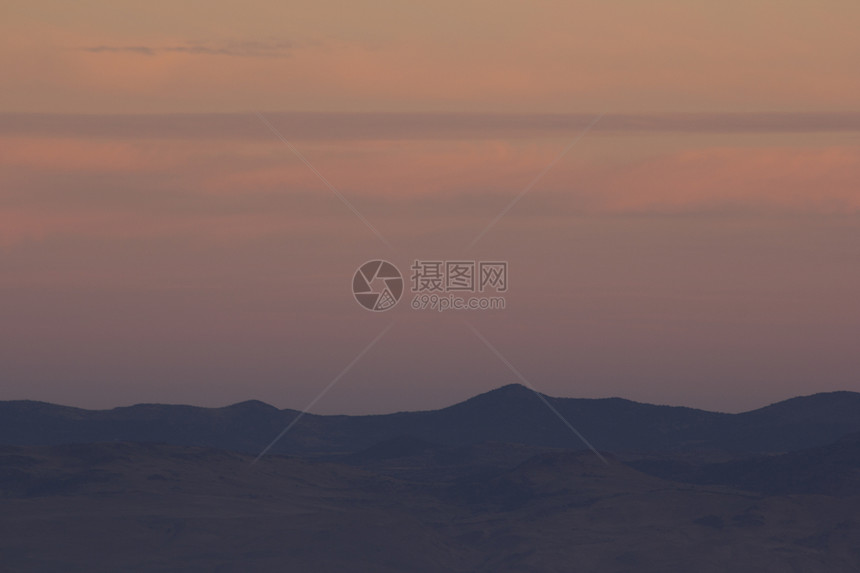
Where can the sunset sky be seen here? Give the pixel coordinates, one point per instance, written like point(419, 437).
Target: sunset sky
point(699, 245)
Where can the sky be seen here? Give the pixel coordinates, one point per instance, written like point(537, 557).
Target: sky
point(187, 189)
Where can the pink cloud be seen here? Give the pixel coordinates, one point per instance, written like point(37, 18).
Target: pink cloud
point(755, 179)
point(215, 190)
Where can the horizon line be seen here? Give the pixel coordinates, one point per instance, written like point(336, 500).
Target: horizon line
point(496, 389)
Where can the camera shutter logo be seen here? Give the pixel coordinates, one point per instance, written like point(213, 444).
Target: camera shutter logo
point(377, 285)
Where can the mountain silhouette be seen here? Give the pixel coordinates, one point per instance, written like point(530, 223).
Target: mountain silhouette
point(510, 414)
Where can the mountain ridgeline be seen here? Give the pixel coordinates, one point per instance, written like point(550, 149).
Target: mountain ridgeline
point(511, 414)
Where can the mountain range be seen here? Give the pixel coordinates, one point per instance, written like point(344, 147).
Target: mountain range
point(510, 414)
point(493, 484)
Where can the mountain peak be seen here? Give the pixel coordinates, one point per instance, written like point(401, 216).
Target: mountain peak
point(508, 396)
point(508, 391)
point(252, 405)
